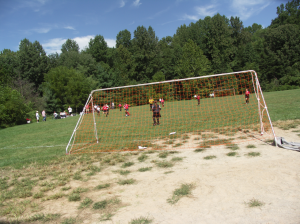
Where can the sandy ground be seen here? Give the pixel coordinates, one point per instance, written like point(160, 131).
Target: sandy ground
point(223, 187)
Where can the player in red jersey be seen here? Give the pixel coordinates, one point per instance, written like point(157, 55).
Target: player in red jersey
point(105, 108)
point(247, 96)
point(126, 107)
point(198, 99)
point(120, 105)
point(162, 102)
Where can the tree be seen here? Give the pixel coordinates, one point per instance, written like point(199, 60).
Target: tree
point(32, 62)
point(98, 48)
point(65, 87)
point(124, 38)
point(70, 45)
point(193, 63)
point(288, 14)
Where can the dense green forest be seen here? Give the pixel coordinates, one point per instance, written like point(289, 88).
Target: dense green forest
point(31, 80)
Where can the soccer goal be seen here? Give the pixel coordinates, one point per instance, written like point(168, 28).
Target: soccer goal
point(183, 121)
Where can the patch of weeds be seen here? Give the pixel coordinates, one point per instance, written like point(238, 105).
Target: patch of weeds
point(255, 203)
point(175, 136)
point(173, 152)
point(253, 154)
point(127, 164)
point(232, 146)
point(209, 157)
point(197, 138)
point(200, 150)
point(157, 147)
point(176, 159)
point(66, 188)
point(296, 131)
point(77, 176)
point(86, 203)
point(250, 146)
point(141, 220)
point(80, 190)
point(242, 137)
point(74, 197)
point(184, 190)
point(42, 217)
point(38, 195)
point(102, 186)
point(106, 216)
point(169, 142)
point(3, 183)
point(69, 221)
point(149, 152)
point(126, 181)
point(122, 172)
point(55, 196)
point(163, 154)
point(42, 178)
point(177, 145)
point(100, 204)
point(164, 164)
point(184, 137)
point(168, 172)
point(144, 169)
point(142, 158)
point(231, 154)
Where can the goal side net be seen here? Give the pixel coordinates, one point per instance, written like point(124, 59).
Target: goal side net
point(189, 113)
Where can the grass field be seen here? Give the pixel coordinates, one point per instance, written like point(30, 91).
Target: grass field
point(45, 141)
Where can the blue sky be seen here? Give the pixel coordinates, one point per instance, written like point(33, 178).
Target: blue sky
point(52, 22)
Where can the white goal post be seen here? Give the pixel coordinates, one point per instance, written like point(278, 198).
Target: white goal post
point(88, 130)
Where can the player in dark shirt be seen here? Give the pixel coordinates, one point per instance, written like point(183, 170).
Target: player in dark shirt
point(156, 113)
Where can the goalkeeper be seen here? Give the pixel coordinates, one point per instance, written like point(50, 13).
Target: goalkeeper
point(247, 96)
point(156, 113)
point(151, 103)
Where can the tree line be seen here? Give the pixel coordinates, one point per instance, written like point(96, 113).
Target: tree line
point(31, 80)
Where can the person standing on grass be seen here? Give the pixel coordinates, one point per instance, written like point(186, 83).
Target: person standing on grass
point(37, 117)
point(87, 108)
point(105, 108)
point(156, 113)
point(120, 106)
point(44, 115)
point(151, 103)
point(112, 105)
point(126, 107)
point(70, 110)
point(162, 102)
point(247, 96)
point(98, 110)
point(198, 99)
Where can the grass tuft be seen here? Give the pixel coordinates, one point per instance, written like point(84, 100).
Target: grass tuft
point(164, 164)
point(144, 169)
point(253, 154)
point(142, 158)
point(127, 181)
point(86, 203)
point(176, 159)
point(163, 154)
point(232, 154)
point(251, 146)
point(74, 197)
point(209, 157)
point(128, 164)
point(200, 150)
point(100, 204)
point(232, 146)
point(141, 220)
point(255, 203)
point(184, 190)
point(102, 186)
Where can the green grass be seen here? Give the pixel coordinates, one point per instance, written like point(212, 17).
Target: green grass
point(232, 154)
point(127, 164)
point(36, 144)
point(141, 220)
point(184, 190)
point(127, 181)
point(102, 186)
point(144, 169)
point(255, 203)
point(86, 203)
point(200, 150)
point(250, 146)
point(209, 157)
point(253, 154)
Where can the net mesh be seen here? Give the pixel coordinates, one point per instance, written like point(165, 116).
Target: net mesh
point(184, 121)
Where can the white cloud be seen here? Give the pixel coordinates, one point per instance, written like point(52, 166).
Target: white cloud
point(69, 28)
point(111, 42)
point(54, 45)
point(136, 3)
point(122, 3)
point(202, 12)
point(246, 8)
point(41, 30)
point(206, 11)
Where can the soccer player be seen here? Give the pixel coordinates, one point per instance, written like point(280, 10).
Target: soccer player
point(98, 110)
point(198, 99)
point(126, 106)
point(105, 108)
point(162, 102)
point(156, 113)
point(120, 105)
point(151, 103)
point(247, 96)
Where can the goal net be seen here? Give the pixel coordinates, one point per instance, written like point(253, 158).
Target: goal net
point(189, 117)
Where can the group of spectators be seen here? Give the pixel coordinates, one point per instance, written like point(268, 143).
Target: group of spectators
point(55, 115)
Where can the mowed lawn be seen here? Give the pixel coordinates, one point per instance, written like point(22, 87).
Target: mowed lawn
point(42, 142)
